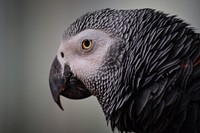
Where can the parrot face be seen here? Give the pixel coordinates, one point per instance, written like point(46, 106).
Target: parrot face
point(79, 65)
point(85, 52)
point(142, 65)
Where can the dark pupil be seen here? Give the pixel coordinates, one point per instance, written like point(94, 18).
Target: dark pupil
point(87, 43)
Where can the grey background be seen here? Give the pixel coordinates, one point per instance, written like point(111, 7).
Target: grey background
point(30, 32)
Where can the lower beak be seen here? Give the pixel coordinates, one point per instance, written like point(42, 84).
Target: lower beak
point(65, 84)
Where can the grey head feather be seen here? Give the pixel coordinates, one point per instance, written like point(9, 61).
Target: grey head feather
point(114, 22)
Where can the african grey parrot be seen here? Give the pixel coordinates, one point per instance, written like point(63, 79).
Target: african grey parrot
point(142, 65)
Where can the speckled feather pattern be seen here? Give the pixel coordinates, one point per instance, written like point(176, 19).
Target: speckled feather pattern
point(150, 79)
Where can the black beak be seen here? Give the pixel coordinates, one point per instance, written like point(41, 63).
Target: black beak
point(65, 84)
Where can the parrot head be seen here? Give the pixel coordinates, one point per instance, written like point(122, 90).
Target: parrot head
point(77, 69)
point(129, 60)
point(98, 56)
point(89, 60)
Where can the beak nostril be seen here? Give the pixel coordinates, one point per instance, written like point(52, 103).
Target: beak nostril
point(62, 54)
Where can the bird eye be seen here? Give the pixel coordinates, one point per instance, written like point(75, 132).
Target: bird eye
point(86, 44)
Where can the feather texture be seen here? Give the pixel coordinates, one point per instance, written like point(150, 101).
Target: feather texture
point(150, 79)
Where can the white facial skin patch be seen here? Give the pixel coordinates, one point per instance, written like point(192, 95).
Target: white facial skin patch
point(83, 62)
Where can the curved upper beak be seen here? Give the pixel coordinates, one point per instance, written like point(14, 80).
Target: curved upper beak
point(65, 84)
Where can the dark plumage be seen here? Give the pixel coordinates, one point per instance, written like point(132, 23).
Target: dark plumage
point(149, 81)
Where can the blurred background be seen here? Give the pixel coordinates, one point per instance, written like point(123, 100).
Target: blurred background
point(30, 32)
